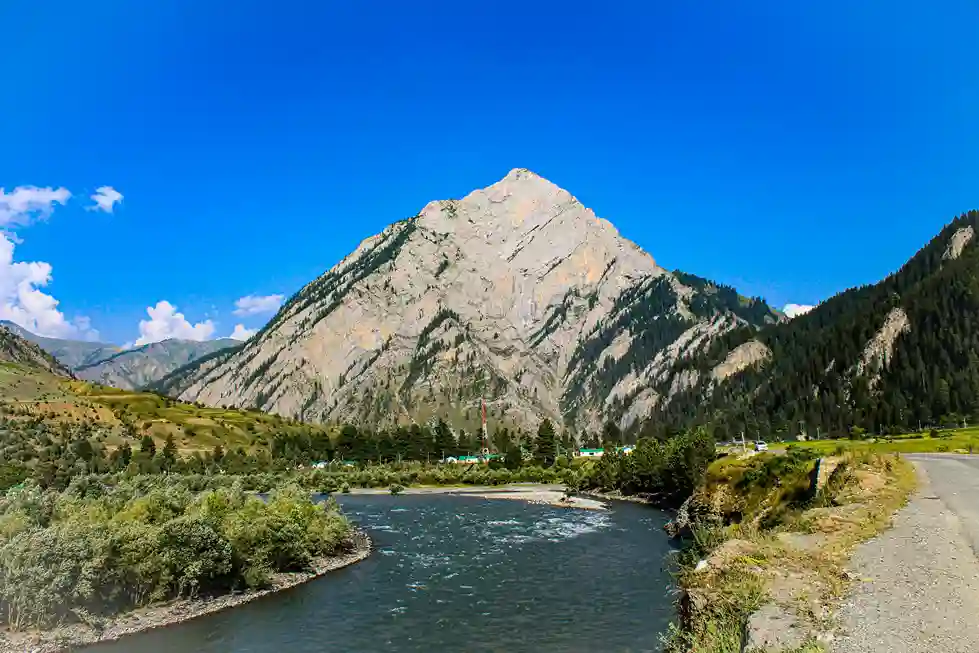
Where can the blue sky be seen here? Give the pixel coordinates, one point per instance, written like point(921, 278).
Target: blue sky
point(789, 149)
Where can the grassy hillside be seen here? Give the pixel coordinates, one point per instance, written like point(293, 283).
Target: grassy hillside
point(113, 416)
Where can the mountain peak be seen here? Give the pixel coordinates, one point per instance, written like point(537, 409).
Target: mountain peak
point(520, 174)
point(522, 178)
point(516, 293)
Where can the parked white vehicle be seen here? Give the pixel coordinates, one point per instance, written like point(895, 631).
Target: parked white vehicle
point(761, 446)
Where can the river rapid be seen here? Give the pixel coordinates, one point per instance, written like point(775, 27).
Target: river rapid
point(452, 574)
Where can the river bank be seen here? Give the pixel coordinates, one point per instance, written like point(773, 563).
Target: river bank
point(618, 496)
point(72, 636)
point(536, 493)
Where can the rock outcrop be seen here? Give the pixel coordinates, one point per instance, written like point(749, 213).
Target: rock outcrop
point(957, 242)
point(516, 294)
point(880, 350)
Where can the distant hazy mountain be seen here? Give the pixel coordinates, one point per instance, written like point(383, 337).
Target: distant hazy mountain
point(122, 368)
point(14, 349)
point(517, 294)
point(136, 368)
point(71, 353)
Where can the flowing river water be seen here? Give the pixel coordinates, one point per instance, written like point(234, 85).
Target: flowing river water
point(452, 574)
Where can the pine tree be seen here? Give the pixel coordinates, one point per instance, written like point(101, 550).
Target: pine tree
point(611, 434)
point(169, 453)
point(444, 443)
point(545, 447)
point(147, 446)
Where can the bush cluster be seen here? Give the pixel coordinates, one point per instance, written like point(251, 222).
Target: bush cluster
point(94, 549)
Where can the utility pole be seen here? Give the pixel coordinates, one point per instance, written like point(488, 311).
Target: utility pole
point(744, 447)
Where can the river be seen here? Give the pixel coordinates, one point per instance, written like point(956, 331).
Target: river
point(454, 574)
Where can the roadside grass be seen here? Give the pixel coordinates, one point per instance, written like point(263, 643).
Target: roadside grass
point(963, 440)
point(765, 539)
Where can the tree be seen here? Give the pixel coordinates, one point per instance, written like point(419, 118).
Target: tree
point(545, 447)
point(467, 443)
point(147, 446)
point(169, 453)
point(513, 457)
point(502, 441)
point(83, 449)
point(611, 433)
point(444, 443)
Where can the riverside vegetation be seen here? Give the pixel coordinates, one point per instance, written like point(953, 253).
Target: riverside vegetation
point(96, 549)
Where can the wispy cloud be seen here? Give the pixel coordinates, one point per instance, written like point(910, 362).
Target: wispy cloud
point(26, 203)
point(105, 198)
point(257, 304)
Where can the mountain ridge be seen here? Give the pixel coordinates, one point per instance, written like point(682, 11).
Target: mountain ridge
point(111, 365)
point(893, 355)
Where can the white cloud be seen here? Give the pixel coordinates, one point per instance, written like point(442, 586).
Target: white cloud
point(165, 322)
point(21, 299)
point(27, 202)
point(241, 333)
point(24, 303)
point(255, 304)
point(795, 310)
point(105, 198)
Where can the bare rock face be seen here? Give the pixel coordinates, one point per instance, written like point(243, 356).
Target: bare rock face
point(740, 358)
point(516, 294)
point(957, 242)
point(880, 350)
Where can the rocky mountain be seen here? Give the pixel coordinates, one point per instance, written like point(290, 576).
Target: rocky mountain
point(14, 349)
point(111, 365)
point(516, 294)
point(896, 355)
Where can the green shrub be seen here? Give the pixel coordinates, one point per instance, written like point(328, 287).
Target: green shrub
point(396, 489)
point(88, 552)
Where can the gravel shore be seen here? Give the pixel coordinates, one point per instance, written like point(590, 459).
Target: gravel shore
point(551, 495)
point(74, 636)
point(918, 583)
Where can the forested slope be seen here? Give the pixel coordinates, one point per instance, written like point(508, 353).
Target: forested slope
point(885, 356)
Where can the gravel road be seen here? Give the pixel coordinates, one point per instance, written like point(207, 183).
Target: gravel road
point(918, 587)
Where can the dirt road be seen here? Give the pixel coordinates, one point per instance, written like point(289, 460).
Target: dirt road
point(919, 581)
